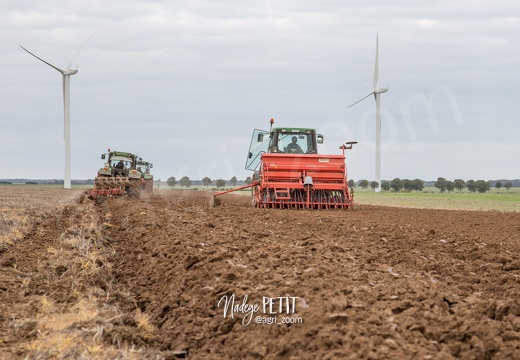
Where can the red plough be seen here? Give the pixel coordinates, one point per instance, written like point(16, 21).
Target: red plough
point(93, 193)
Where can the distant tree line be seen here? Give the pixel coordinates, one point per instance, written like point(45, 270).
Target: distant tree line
point(480, 186)
point(206, 181)
point(442, 184)
point(395, 185)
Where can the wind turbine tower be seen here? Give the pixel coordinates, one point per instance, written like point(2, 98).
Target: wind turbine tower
point(66, 73)
point(377, 91)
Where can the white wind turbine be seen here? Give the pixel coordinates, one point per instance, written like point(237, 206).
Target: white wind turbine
point(66, 73)
point(376, 91)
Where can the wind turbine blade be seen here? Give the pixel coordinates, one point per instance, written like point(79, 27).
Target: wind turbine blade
point(370, 93)
point(60, 70)
point(81, 48)
point(376, 67)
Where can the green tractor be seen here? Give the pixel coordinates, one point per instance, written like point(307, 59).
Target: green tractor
point(119, 175)
point(144, 167)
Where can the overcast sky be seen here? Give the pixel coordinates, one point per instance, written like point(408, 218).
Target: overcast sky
point(184, 83)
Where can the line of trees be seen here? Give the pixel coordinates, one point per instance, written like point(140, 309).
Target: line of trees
point(480, 186)
point(185, 181)
point(395, 185)
point(442, 184)
point(364, 184)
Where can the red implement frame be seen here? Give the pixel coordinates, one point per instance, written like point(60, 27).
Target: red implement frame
point(303, 182)
point(93, 193)
point(310, 181)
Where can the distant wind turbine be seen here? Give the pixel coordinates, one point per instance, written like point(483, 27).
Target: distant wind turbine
point(376, 91)
point(66, 73)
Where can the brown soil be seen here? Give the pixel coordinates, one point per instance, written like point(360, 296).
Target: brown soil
point(373, 283)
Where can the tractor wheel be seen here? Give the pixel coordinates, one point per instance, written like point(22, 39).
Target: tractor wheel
point(148, 186)
point(134, 189)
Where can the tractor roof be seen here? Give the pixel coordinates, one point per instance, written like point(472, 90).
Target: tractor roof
point(122, 153)
point(294, 130)
point(142, 162)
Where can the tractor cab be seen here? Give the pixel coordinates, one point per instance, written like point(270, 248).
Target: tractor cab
point(144, 168)
point(294, 141)
point(297, 141)
point(120, 163)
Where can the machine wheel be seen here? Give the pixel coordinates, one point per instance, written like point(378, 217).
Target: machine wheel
point(134, 189)
point(148, 186)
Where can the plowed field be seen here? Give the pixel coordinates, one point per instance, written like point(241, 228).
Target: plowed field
point(151, 278)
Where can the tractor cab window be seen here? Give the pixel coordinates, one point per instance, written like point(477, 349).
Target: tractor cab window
point(259, 145)
point(295, 143)
point(115, 160)
point(114, 163)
